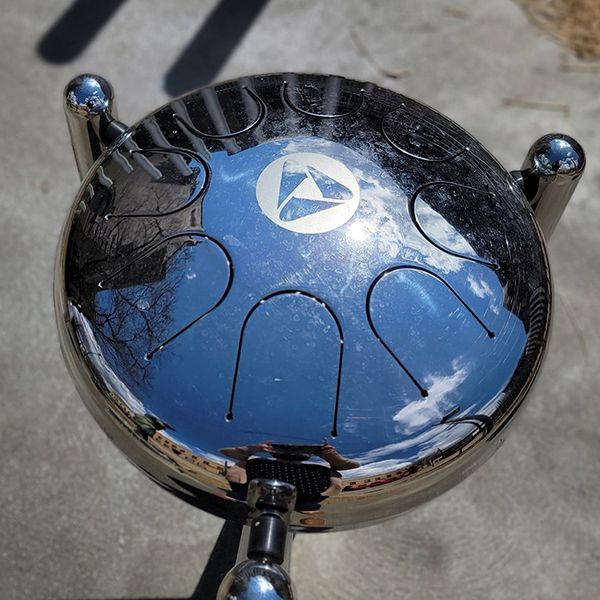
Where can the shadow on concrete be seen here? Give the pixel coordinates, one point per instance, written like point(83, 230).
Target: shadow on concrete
point(214, 42)
point(75, 29)
point(222, 558)
point(197, 65)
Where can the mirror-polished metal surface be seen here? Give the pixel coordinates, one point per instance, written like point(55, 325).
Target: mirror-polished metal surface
point(551, 171)
point(261, 574)
point(91, 113)
point(252, 580)
point(303, 278)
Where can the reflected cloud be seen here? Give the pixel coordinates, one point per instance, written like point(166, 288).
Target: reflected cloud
point(480, 288)
point(435, 438)
point(441, 230)
point(397, 238)
point(429, 410)
point(376, 468)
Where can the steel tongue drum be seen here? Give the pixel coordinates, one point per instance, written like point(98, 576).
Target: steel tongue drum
point(302, 301)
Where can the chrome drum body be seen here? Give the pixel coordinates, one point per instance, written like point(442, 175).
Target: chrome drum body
point(305, 278)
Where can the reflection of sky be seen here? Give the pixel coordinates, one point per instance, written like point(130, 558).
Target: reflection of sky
point(440, 230)
point(289, 361)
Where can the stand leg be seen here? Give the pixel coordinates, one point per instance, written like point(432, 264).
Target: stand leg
point(261, 575)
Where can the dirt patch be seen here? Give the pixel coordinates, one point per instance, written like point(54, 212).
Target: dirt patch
point(574, 23)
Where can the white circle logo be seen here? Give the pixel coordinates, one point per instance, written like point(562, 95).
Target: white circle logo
point(307, 192)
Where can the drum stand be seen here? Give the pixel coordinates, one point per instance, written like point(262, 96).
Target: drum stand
point(548, 177)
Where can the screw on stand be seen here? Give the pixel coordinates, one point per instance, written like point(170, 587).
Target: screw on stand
point(261, 576)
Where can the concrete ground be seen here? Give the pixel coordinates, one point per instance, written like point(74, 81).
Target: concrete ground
point(77, 521)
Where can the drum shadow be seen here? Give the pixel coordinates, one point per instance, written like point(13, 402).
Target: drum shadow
point(212, 45)
point(197, 65)
point(75, 29)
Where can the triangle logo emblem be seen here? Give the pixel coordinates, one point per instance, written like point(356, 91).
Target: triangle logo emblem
point(304, 190)
point(307, 193)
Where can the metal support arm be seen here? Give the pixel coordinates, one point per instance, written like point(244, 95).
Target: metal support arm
point(261, 576)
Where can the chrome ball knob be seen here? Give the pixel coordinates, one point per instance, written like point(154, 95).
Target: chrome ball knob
point(256, 580)
point(551, 171)
point(89, 95)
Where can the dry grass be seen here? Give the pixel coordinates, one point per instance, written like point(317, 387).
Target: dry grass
point(574, 23)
